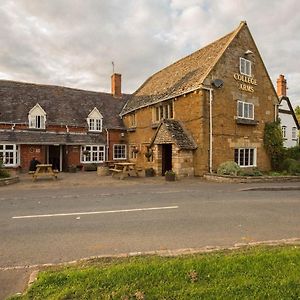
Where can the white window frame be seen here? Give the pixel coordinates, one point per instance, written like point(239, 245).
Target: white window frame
point(95, 124)
point(96, 152)
point(116, 154)
point(243, 157)
point(37, 117)
point(10, 157)
point(283, 130)
point(163, 111)
point(245, 67)
point(245, 111)
point(294, 133)
point(133, 153)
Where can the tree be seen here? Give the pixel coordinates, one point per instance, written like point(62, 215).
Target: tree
point(297, 112)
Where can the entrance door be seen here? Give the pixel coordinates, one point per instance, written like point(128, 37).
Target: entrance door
point(54, 157)
point(166, 156)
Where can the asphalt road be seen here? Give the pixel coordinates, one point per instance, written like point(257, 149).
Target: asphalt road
point(39, 226)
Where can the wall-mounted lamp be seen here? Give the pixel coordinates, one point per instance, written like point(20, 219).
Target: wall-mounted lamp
point(248, 52)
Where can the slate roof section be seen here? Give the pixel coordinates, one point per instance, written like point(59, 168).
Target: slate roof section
point(182, 139)
point(50, 138)
point(291, 110)
point(181, 77)
point(64, 106)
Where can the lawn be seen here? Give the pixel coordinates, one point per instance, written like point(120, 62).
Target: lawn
point(251, 273)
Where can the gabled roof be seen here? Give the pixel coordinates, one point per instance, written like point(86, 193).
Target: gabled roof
point(291, 110)
point(181, 77)
point(177, 134)
point(63, 106)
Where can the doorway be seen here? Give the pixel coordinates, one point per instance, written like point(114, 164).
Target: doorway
point(55, 157)
point(166, 157)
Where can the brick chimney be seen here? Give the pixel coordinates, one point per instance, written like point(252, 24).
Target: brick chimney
point(116, 85)
point(281, 86)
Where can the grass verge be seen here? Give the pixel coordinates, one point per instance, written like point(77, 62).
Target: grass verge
point(250, 273)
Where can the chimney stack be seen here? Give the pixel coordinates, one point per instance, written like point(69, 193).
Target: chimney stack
point(281, 86)
point(116, 85)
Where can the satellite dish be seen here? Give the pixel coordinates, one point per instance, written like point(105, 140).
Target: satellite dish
point(217, 83)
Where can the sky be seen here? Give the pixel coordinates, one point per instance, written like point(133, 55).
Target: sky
point(74, 42)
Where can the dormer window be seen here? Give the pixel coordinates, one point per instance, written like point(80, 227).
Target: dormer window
point(37, 117)
point(94, 120)
point(245, 66)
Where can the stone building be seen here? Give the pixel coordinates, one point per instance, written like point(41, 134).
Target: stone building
point(205, 109)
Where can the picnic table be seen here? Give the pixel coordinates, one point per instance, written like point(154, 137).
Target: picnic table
point(124, 169)
point(43, 170)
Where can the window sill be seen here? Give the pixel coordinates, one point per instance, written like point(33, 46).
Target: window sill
point(131, 129)
point(242, 121)
point(37, 129)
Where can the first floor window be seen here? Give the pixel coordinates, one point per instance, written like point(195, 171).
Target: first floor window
point(294, 133)
point(163, 111)
point(95, 124)
point(245, 66)
point(92, 154)
point(245, 110)
point(9, 154)
point(283, 130)
point(37, 122)
point(119, 151)
point(245, 157)
point(133, 151)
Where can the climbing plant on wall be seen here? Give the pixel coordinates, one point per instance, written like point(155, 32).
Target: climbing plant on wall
point(273, 142)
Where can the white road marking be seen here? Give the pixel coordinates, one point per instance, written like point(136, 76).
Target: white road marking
point(96, 212)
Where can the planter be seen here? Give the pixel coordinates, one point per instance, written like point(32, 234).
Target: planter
point(72, 169)
point(149, 172)
point(102, 171)
point(170, 177)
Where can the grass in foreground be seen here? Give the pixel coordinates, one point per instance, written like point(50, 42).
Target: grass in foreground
point(255, 273)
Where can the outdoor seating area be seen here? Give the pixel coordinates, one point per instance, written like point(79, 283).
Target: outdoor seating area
point(124, 169)
point(44, 170)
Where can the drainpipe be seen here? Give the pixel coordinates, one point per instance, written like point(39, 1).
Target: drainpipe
point(210, 128)
point(107, 142)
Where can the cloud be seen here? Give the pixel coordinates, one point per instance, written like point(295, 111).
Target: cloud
point(73, 42)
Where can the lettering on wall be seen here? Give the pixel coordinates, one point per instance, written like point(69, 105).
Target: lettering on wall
point(247, 83)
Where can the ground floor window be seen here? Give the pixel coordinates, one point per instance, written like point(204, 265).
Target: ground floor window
point(9, 154)
point(92, 154)
point(119, 151)
point(245, 157)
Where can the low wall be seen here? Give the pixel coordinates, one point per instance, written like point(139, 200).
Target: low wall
point(250, 179)
point(10, 180)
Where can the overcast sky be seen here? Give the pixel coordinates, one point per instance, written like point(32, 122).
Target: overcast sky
point(73, 42)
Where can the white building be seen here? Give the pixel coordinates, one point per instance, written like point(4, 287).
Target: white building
point(289, 123)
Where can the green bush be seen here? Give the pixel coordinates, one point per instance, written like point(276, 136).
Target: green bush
point(293, 152)
point(291, 166)
point(229, 168)
point(250, 172)
point(3, 173)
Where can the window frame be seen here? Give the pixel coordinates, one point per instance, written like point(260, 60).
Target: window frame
point(15, 154)
point(37, 122)
point(163, 111)
point(245, 105)
point(294, 133)
point(115, 157)
point(242, 156)
point(245, 67)
point(93, 153)
point(283, 132)
point(95, 124)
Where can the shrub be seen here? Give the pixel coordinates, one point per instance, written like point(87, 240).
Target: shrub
point(3, 173)
point(250, 172)
point(291, 165)
point(228, 168)
point(293, 152)
point(273, 143)
point(90, 167)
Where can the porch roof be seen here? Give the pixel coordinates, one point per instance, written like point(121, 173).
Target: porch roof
point(50, 138)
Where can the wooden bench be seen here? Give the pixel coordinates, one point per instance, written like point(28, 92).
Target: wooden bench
point(117, 171)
